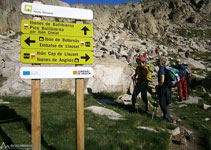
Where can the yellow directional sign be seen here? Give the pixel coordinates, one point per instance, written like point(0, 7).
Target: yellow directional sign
point(56, 42)
point(56, 57)
point(56, 28)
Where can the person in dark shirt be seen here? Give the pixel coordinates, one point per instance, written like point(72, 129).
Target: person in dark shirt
point(163, 90)
point(182, 84)
point(187, 53)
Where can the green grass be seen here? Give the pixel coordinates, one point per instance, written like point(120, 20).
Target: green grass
point(58, 124)
point(194, 32)
point(164, 41)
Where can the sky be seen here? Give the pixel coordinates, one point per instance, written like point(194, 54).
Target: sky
point(105, 2)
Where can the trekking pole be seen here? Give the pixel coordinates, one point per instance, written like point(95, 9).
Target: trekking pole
point(136, 104)
point(155, 105)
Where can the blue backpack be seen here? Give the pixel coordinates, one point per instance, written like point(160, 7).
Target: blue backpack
point(182, 70)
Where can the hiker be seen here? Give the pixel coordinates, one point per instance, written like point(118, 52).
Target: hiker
point(163, 90)
point(187, 53)
point(188, 77)
point(157, 51)
point(140, 82)
point(182, 85)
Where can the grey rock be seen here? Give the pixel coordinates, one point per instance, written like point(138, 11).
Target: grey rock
point(207, 119)
point(175, 132)
point(191, 100)
point(205, 106)
point(181, 106)
point(147, 128)
point(183, 141)
point(104, 111)
point(125, 99)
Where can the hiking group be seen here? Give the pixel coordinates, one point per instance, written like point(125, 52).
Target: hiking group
point(177, 75)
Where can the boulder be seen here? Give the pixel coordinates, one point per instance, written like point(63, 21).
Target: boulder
point(175, 132)
point(205, 106)
point(110, 75)
point(194, 64)
point(125, 99)
point(192, 100)
point(105, 112)
point(147, 128)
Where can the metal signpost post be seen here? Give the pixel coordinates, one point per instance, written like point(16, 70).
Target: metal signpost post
point(56, 43)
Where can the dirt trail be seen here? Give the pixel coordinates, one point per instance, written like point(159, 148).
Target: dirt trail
point(184, 141)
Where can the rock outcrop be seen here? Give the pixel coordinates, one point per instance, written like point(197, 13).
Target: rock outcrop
point(121, 33)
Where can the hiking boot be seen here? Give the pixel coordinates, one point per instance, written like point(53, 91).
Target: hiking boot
point(179, 99)
point(170, 120)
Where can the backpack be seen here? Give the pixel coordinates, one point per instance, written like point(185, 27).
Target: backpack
point(182, 70)
point(150, 68)
point(172, 76)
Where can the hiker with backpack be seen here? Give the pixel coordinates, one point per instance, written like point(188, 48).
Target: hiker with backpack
point(182, 85)
point(163, 90)
point(141, 82)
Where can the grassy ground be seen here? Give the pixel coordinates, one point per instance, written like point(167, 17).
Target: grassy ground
point(194, 32)
point(194, 116)
point(58, 125)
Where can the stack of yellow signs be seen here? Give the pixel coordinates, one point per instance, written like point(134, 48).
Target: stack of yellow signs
point(47, 42)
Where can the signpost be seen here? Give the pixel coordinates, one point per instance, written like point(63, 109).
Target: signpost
point(56, 57)
point(56, 28)
point(56, 11)
point(50, 73)
point(56, 42)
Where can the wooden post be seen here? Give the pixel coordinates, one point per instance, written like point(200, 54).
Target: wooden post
point(35, 109)
point(79, 93)
point(35, 115)
point(79, 83)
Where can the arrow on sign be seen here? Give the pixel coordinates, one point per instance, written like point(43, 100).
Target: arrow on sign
point(86, 57)
point(28, 41)
point(85, 30)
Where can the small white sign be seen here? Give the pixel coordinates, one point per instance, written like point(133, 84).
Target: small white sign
point(56, 11)
point(55, 72)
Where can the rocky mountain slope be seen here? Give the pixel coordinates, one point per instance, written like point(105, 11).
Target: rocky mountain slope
point(121, 32)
